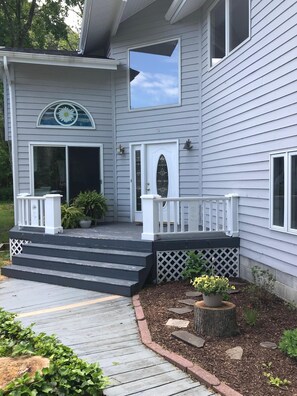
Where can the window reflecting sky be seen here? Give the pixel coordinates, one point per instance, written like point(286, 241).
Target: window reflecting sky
point(154, 75)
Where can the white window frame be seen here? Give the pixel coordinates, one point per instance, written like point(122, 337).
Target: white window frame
point(66, 146)
point(227, 33)
point(287, 156)
point(148, 44)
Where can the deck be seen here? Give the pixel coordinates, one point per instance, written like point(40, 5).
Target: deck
point(99, 328)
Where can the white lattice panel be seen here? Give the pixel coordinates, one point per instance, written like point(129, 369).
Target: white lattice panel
point(170, 264)
point(16, 246)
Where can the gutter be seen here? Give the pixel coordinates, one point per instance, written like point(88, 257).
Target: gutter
point(85, 26)
point(13, 135)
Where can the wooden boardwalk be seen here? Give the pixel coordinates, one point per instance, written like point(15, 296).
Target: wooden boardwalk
point(100, 328)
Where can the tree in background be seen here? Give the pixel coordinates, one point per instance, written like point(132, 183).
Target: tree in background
point(32, 24)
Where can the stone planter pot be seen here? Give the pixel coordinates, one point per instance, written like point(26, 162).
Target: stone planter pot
point(213, 300)
point(85, 223)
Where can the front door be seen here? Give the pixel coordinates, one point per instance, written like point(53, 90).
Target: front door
point(155, 172)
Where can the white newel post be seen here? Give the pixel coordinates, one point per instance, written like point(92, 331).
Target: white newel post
point(232, 215)
point(53, 214)
point(150, 217)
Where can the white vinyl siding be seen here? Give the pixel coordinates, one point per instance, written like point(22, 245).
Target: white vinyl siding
point(249, 111)
point(37, 87)
point(158, 124)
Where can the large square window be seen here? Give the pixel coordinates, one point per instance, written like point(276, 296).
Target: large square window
point(154, 75)
point(284, 191)
point(229, 22)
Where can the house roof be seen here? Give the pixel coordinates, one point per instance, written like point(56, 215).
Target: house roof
point(56, 58)
point(102, 18)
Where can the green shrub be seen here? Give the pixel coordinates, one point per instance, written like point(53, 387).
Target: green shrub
point(6, 194)
point(67, 375)
point(288, 343)
point(196, 265)
point(250, 316)
point(71, 216)
point(93, 204)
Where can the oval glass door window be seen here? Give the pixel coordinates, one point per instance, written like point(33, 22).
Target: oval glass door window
point(162, 177)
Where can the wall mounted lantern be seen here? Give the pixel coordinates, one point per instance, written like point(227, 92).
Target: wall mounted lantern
point(188, 145)
point(121, 150)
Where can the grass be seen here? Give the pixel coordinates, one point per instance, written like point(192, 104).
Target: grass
point(6, 221)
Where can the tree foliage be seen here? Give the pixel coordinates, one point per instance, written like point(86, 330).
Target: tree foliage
point(33, 24)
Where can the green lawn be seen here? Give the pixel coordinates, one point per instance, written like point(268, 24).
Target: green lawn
point(6, 220)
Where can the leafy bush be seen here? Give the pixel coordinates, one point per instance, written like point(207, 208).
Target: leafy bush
point(250, 316)
point(6, 194)
point(93, 204)
point(288, 343)
point(262, 289)
point(71, 216)
point(196, 265)
point(66, 375)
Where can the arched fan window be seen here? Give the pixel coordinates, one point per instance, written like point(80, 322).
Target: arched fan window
point(65, 114)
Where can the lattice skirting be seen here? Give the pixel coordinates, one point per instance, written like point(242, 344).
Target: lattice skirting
point(170, 264)
point(16, 246)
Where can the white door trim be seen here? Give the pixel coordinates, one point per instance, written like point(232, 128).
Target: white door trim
point(142, 145)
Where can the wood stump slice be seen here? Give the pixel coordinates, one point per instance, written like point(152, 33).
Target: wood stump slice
point(215, 322)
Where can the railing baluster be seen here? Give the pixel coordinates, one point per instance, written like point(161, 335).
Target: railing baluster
point(161, 221)
point(175, 216)
point(40, 213)
point(182, 217)
point(23, 212)
point(210, 216)
point(168, 216)
point(224, 214)
point(203, 217)
point(217, 215)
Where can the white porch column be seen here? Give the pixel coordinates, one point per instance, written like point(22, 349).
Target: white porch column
point(53, 214)
point(232, 215)
point(150, 217)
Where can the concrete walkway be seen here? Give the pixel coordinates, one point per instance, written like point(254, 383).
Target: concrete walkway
point(99, 328)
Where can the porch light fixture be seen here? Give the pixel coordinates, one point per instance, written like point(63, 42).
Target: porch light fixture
point(188, 145)
point(121, 150)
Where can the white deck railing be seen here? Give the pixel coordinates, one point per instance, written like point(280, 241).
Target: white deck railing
point(189, 215)
point(40, 212)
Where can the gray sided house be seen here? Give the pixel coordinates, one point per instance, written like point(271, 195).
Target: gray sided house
point(183, 113)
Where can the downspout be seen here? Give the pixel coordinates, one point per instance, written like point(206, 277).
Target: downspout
point(13, 135)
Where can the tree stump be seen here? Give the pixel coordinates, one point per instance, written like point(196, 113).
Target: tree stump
point(215, 322)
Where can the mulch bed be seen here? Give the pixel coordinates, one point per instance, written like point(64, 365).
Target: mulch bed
point(245, 376)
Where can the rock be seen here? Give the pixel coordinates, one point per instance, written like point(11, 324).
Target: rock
point(268, 345)
point(193, 294)
point(188, 301)
point(235, 353)
point(181, 311)
point(189, 338)
point(233, 291)
point(178, 323)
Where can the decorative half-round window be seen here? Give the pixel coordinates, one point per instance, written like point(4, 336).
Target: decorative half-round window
point(64, 115)
point(162, 177)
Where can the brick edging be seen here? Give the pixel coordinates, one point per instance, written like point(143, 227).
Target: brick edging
point(192, 369)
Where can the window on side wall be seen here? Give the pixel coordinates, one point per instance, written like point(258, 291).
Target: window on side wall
point(154, 77)
point(229, 23)
point(283, 192)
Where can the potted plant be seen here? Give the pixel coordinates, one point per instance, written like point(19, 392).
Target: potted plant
point(70, 216)
point(93, 204)
point(85, 222)
point(213, 288)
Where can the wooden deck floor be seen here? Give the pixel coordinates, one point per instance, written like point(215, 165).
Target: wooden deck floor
point(100, 328)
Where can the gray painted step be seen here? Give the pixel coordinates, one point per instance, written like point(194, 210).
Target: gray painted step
point(112, 270)
point(86, 253)
point(79, 281)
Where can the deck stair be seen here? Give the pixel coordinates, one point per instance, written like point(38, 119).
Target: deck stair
point(105, 268)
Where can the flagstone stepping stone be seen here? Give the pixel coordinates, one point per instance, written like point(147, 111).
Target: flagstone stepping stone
point(193, 294)
point(233, 291)
point(178, 323)
point(181, 311)
point(188, 301)
point(189, 338)
point(235, 353)
point(268, 345)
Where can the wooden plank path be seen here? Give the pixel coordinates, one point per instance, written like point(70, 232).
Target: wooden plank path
point(99, 328)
